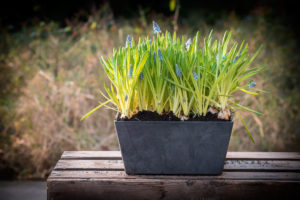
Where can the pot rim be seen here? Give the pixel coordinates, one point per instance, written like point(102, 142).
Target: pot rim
point(173, 122)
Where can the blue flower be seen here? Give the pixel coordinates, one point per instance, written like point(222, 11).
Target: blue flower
point(160, 57)
point(141, 76)
point(156, 28)
point(158, 103)
point(178, 72)
point(154, 57)
point(252, 84)
point(235, 59)
point(195, 76)
point(149, 42)
point(130, 71)
point(128, 41)
point(223, 57)
point(188, 43)
point(126, 97)
point(172, 87)
point(183, 99)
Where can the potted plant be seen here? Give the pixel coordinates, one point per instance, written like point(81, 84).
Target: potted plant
point(174, 101)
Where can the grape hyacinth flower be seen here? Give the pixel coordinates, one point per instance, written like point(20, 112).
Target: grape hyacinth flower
point(160, 57)
point(178, 72)
point(130, 71)
point(195, 76)
point(252, 84)
point(150, 42)
point(141, 76)
point(126, 97)
point(172, 87)
point(223, 57)
point(188, 43)
point(183, 99)
point(235, 59)
point(128, 41)
point(156, 28)
point(154, 57)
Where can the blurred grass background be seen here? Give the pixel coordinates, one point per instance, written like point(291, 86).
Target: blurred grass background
point(50, 76)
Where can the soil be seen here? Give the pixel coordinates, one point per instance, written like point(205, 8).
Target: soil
point(154, 116)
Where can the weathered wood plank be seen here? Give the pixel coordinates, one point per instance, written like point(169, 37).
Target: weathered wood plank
point(263, 155)
point(116, 155)
point(86, 189)
point(261, 165)
point(115, 165)
point(247, 175)
point(230, 165)
point(75, 174)
point(92, 155)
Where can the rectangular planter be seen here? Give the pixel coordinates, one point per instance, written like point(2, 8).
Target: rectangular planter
point(174, 147)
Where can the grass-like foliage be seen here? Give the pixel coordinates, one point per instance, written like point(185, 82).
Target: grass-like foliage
point(170, 73)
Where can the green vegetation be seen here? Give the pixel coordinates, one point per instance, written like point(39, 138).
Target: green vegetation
point(169, 73)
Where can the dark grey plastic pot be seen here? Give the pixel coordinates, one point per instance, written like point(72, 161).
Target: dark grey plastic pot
point(174, 147)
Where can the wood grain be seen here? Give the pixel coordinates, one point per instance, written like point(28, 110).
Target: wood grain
point(230, 165)
point(92, 155)
point(263, 155)
point(92, 175)
point(131, 189)
point(116, 165)
point(116, 155)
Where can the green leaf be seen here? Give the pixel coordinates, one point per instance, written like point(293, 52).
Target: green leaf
point(92, 111)
point(242, 119)
point(246, 109)
point(248, 92)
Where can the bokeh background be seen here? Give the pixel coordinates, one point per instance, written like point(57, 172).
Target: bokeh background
point(50, 74)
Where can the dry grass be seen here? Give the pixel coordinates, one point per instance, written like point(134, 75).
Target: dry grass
point(57, 77)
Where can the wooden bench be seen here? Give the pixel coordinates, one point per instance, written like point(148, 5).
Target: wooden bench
point(247, 175)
